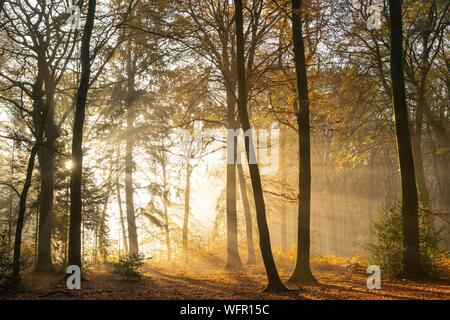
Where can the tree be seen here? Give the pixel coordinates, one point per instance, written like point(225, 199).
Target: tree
point(33, 36)
point(119, 203)
point(425, 39)
point(251, 257)
point(274, 280)
point(412, 266)
point(38, 94)
point(77, 140)
point(302, 272)
point(187, 208)
point(129, 163)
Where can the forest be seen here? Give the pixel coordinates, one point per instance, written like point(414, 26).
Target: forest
point(225, 149)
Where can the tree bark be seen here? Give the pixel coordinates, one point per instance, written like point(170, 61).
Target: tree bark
point(166, 214)
point(187, 198)
point(22, 209)
point(283, 207)
point(10, 213)
point(233, 258)
point(412, 267)
point(251, 258)
point(39, 112)
point(46, 158)
point(122, 219)
point(302, 273)
point(77, 141)
point(274, 280)
point(417, 152)
point(102, 235)
point(129, 163)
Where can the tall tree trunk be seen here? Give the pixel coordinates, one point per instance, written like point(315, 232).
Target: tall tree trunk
point(39, 112)
point(166, 214)
point(66, 222)
point(122, 219)
point(441, 168)
point(251, 258)
point(233, 258)
point(283, 207)
point(77, 141)
point(46, 156)
point(10, 214)
point(187, 197)
point(22, 209)
point(102, 228)
point(412, 266)
point(274, 280)
point(417, 152)
point(421, 105)
point(129, 163)
point(302, 272)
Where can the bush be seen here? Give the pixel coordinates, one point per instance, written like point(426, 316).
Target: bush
point(5, 259)
point(129, 266)
point(388, 253)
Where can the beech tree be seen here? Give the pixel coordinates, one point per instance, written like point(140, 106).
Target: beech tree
point(275, 283)
point(77, 140)
point(412, 265)
point(302, 272)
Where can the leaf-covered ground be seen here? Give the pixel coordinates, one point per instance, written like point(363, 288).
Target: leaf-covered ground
point(218, 283)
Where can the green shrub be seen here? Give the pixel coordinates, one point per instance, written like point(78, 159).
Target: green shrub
point(388, 252)
point(129, 266)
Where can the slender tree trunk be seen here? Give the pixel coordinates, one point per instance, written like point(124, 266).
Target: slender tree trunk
point(40, 113)
point(424, 67)
point(187, 197)
point(445, 199)
point(36, 235)
point(129, 162)
point(283, 207)
point(251, 258)
point(441, 169)
point(22, 209)
point(302, 272)
point(418, 158)
point(166, 214)
point(10, 214)
point(412, 266)
point(122, 219)
point(445, 164)
point(233, 258)
point(66, 222)
point(274, 280)
point(77, 141)
point(102, 228)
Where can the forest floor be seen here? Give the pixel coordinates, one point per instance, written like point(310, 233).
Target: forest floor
point(206, 282)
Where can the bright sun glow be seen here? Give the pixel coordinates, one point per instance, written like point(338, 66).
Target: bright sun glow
point(68, 165)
